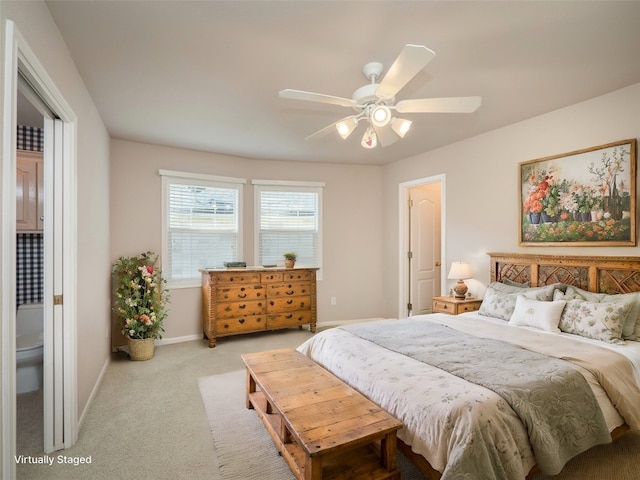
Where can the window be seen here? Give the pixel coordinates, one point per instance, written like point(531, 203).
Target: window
point(201, 225)
point(288, 219)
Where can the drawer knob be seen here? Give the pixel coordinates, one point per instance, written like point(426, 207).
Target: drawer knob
point(241, 321)
point(242, 295)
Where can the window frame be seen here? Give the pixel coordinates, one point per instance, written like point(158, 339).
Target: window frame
point(197, 179)
point(286, 185)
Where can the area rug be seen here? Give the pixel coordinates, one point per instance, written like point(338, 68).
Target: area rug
point(243, 447)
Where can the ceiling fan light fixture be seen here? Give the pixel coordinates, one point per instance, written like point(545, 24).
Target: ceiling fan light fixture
point(346, 127)
point(380, 116)
point(401, 126)
point(369, 139)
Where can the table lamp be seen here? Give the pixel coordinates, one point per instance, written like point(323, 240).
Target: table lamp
point(459, 271)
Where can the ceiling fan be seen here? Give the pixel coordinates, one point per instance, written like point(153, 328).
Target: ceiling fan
point(375, 101)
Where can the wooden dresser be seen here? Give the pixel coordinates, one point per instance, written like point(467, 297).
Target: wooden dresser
point(247, 300)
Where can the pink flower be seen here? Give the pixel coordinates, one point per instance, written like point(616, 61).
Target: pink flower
point(150, 269)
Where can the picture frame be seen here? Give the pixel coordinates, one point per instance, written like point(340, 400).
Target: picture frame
point(581, 198)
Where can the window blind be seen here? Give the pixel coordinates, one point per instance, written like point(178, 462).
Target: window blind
point(202, 227)
point(288, 221)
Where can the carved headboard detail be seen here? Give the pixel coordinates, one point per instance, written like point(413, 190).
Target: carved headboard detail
point(595, 274)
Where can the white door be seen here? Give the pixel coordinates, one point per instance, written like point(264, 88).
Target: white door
point(424, 246)
point(54, 341)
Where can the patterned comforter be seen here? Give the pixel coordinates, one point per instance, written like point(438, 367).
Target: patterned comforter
point(463, 429)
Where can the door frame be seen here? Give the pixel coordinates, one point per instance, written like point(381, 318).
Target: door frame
point(403, 235)
point(20, 57)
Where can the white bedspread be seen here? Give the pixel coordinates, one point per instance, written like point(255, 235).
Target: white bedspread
point(442, 413)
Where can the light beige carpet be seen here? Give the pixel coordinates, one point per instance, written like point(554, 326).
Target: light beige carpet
point(243, 447)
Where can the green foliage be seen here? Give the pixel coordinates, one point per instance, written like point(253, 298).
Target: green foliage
point(140, 297)
point(569, 231)
point(290, 256)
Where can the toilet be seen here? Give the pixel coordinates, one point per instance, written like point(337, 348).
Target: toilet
point(29, 347)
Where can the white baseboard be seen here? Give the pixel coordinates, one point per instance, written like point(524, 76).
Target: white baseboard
point(94, 392)
point(187, 338)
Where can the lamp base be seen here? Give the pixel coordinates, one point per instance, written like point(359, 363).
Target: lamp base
point(460, 289)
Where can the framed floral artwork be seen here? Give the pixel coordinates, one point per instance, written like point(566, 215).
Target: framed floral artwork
point(586, 197)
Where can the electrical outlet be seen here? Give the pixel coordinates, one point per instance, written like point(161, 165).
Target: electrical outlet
point(333, 300)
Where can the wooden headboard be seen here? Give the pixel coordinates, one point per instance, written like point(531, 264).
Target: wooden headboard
point(595, 274)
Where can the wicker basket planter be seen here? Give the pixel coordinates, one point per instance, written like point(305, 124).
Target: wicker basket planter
point(141, 349)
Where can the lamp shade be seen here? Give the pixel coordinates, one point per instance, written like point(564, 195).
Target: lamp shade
point(400, 126)
point(369, 139)
point(346, 126)
point(459, 271)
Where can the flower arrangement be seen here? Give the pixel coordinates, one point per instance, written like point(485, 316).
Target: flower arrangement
point(544, 195)
point(140, 297)
point(586, 197)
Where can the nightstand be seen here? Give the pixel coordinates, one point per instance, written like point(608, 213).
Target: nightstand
point(454, 306)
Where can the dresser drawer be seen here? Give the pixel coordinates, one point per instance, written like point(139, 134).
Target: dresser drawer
point(241, 309)
point(271, 277)
point(443, 307)
point(237, 277)
point(291, 319)
point(288, 290)
point(289, 304)
point(302, 275)
point(249, 323)
point(469, 307)
point(240, 292)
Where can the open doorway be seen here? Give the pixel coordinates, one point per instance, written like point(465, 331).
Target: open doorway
point(421, 241)
point(59, 187)
point(29, 279)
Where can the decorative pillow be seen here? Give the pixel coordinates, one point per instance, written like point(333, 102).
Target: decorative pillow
point(597, 320)
point(631, 328)
point(534, 313)
point(499, 304)
point(540, 293)
point(506, 281)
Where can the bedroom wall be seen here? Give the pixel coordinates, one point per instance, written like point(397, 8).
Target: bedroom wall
point(93, 287)
point(352, 244)
point(482, 183)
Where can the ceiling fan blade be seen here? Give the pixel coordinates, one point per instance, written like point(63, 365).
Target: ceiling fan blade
point(439, 105)
point(411, 60)
point(328, 129)
point(386, 136)
point(316, 97)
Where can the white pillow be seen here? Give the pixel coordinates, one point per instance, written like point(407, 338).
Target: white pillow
point(538, 314)
point(499, 304)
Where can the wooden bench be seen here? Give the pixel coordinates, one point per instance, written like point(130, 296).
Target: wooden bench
point(323, 428)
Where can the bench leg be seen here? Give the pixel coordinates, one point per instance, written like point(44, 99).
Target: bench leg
point(313, 468)
point(388, 451)
point(251, 388)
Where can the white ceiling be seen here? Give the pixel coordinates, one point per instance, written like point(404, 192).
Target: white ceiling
point(205, 75)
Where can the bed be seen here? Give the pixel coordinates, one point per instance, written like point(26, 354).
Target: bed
point(546, 369)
